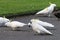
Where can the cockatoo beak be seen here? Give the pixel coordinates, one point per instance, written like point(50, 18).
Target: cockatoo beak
point(29, 24)
point(50, 3)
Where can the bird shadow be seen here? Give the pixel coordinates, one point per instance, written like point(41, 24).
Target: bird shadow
point(2, 26)
point(22, 30)
point(51, 28)
point(43, 34)
point(40, 15)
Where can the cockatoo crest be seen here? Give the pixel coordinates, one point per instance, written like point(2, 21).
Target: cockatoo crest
point(50, 3)
point(34, 20)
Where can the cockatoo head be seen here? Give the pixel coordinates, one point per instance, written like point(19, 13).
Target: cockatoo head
point(51, 4)
point(8, 24)
point(29, 24)
point(6, 20)
point(32, 20)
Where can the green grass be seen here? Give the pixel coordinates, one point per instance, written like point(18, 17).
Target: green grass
point(14, 7)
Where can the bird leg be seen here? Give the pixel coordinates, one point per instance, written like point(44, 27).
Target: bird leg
point(49, 15)
point(13, 28)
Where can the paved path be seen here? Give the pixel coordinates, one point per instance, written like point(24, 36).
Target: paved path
point(27, 34)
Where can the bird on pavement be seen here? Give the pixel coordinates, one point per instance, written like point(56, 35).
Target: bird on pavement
point(38, 28)
point(45, 24)
point(15, 24)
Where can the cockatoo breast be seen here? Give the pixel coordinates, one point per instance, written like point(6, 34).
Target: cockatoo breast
point(50, 9)
point(34, 26)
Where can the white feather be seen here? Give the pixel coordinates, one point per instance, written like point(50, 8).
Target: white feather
point(3, 21)
point(15, 24)
point(38, 28)
point(45, 24)
point(47, 10)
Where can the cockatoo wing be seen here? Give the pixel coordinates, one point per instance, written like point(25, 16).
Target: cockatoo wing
point(44, 11)
point(49, 24)
point(45, 24)
point(42, 29)
point(18, 24)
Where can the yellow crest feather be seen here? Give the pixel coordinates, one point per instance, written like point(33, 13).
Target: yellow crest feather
point(50, 3)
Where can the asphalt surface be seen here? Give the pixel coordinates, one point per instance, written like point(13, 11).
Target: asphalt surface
point(26, 33)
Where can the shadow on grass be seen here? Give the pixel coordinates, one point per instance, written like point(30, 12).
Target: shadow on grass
point(10, 15)
point(32, 12)
point(26, 13)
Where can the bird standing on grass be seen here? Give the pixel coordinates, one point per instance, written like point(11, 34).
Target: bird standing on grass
point(48, 10)
point(38, 28)
point(15, 24)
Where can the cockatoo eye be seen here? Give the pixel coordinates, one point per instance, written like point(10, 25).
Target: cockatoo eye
point(29, 24)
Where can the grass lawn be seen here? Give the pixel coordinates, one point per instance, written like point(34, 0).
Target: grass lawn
point(14, 7)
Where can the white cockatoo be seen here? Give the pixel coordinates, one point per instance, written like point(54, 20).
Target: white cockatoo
point(48, 10)
point(3, 20)
point(45, 24)
point(38, 28)
point(15, 24)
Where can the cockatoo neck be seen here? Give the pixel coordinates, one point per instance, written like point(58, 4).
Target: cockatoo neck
point(52, 5)
point(8, 23)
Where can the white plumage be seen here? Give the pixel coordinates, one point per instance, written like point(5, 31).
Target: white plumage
point(48, 10)
point(3, 21)
point(38, 28)
point(45, 24)
point(15, 24)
